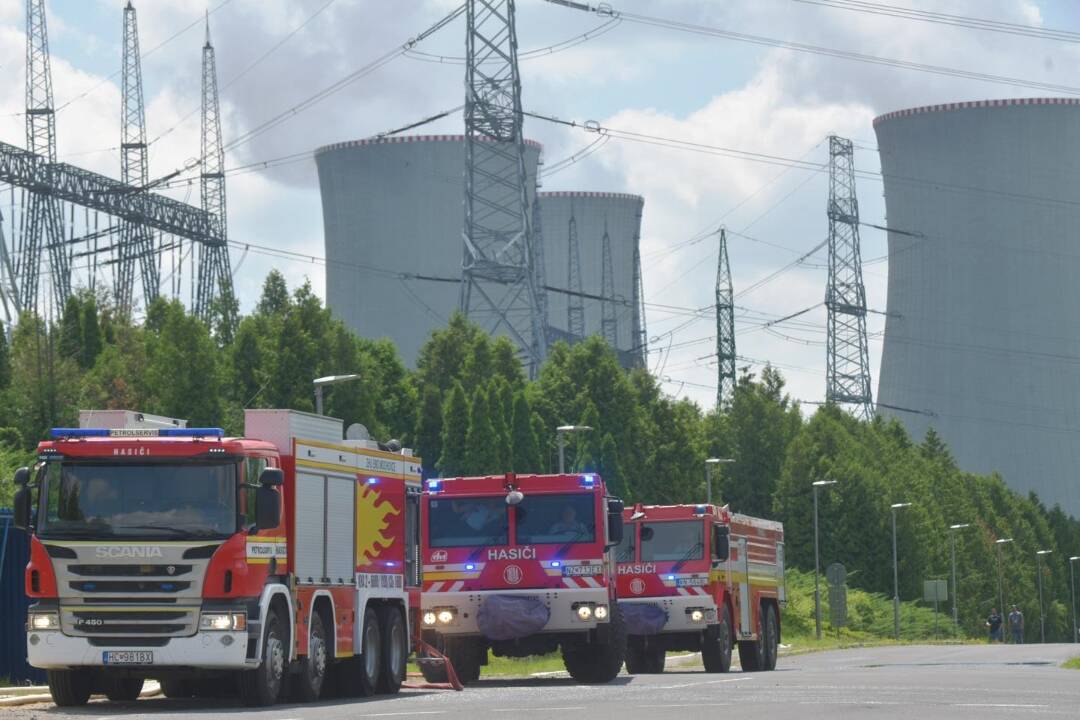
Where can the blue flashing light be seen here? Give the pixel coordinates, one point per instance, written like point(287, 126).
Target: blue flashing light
point(372, 481)
point(434, 485)
point(556, 563)
point(470, 566)
point(670, 577)
point(192, 432)
point(700, 509)
point(390, 563)
point(588, 481)
point(79, 432)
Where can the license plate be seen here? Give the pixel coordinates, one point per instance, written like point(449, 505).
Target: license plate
point(128, 657)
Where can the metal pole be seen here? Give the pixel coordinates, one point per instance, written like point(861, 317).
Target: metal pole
point(1042, 619)
point(708, 484)
point(896, 581)
point(1072, 588)
point(318, 400)
point(562, 452)
point(1001, 591)
point(817, 573)
point(955, 612)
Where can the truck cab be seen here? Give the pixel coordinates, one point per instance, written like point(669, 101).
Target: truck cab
point(700, 578)
point(522, 565)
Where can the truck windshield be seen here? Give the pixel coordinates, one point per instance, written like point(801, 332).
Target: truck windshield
point(672, 541)
point(193, 499)
point(467, 522)
point(556, 519)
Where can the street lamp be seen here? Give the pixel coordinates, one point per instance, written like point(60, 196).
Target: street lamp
point(1000, 542)
point(1038, 571)
point(955, 602)
point(320, 383)
point(896, 571)
point(817, 563)
point(560, 433)
point(1072, 588)
point(708, 475)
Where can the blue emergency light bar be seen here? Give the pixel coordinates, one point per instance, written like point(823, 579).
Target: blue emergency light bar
point(60, 433)
point(434, 485)
point(588, 481)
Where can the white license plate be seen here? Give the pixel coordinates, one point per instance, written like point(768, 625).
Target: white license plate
point(128, 657)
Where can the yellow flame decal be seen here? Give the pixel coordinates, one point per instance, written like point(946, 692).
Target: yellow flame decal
point(371, 522)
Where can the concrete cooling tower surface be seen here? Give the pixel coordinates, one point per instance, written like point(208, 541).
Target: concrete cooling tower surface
point(982, 339)
point(392, 206)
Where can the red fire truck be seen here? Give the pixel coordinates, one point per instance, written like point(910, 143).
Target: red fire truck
point(522, 565)
point(700, 578)
point(278, 566)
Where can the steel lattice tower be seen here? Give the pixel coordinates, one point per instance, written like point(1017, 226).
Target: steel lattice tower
point(848, 357)
point(609, 326)
point(45, 223)
point(498, 285)
point(575, 302)
point(136, 239)
point(214, 275)
point(540, 264)
point(725, 328)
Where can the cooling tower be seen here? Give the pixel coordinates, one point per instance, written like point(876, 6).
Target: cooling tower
point(982, 338)
point(621, 214)
point(394, 207)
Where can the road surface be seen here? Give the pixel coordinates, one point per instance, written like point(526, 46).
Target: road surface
point(902, 683)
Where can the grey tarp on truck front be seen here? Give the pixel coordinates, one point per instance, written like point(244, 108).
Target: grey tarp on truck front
point(508, 617)
point(643, 618)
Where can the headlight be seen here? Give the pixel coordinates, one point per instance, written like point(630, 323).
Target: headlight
point(429, 618)
point(696, 615)
point(223, 621)
point(446, 616)
point(43, 621)
point(601, 612)
point(584, 612)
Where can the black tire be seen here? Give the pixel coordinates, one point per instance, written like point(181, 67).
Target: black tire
point(635, 656)
point(772, 637)
point(716, 652)
point(122, 689)
point(395, 649)
point(371, 660)
point(752, 652)
point(70, 688)
point(262, 686)
point(175, 688)
point(596, 662)
point(314, 665)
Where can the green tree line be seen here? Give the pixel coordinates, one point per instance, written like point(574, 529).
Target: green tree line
point(467, 408)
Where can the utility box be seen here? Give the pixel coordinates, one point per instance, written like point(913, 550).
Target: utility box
point(126, 420)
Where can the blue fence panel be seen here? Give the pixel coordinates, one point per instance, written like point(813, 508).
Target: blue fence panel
point(14, 554)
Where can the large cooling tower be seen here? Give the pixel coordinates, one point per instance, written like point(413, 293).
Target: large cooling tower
point(592, 210)
point(391, 207)
point(982, 340)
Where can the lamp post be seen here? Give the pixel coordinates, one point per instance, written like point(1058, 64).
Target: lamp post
point(896, 571)
point(322, 382)
point(817, 562)
point(1000, 542)
point(955, 601)
point(1072, 588)
point(1042, 615)
point(560, 433)
point(708, 475)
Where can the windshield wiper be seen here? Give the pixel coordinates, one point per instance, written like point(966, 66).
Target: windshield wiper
point(173, 532)
point(487, 541)
point(580, 533)
point(688, 555)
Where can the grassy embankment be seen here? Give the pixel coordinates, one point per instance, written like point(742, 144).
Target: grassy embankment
point(1073, 664)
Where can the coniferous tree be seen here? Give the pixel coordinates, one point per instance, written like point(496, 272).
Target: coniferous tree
point(71, 333)
point(455, 429)
point(526, 451)
point(274, 300)
point(428, 432)
point(481, 456)
point(91, 334)
point(502, 450)
point(5, 360)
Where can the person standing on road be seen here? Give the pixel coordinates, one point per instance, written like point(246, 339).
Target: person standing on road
point(993, 622)
point(1016, 626)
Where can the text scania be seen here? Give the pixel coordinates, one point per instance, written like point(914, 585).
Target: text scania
point(524, 553)
point(116, 552)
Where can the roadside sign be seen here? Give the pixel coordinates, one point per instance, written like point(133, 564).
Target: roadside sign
point(838, 605)
point(836, 574)
point(935, 591)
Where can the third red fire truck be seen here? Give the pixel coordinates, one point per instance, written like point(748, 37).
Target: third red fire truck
point(522, 565)
point(700, 578)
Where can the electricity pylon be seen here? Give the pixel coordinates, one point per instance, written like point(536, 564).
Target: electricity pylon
point(725, 328)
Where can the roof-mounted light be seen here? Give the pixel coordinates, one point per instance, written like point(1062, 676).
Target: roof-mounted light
point(588, 481)
point(192, 432)
point(434, 485)
point(701, 509)
point(61, 432)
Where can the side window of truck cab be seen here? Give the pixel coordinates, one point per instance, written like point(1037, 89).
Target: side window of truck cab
point(253, 466)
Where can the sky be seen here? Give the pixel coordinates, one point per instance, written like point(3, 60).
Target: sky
point(634, 76)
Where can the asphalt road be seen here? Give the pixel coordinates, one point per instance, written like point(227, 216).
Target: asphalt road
point(908, 683)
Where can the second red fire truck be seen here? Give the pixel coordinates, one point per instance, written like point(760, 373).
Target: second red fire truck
point(522, 565)
point(700, 578)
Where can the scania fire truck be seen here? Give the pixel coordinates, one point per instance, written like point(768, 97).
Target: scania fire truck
point(700, 578)
point(278, 564)
point(522, 565)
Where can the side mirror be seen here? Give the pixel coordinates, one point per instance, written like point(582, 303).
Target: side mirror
point(22, 477)
point(615, 521)
point(267, 507)
point(22, 507)
point(721, 542)
point(272, 477)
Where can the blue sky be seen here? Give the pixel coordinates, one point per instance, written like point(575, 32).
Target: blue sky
point(635, 77)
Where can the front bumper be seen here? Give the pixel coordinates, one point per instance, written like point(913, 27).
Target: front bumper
point(561, 603)
point(53, 650)
point(677, 609)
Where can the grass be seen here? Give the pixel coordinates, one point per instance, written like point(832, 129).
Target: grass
point(1073, 664)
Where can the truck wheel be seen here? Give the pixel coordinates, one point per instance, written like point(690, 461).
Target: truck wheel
point(176, 688)
point(635, 656)
point(595, 662)
point(716, 652)
point(309, 683)
point(752, 652)
point(772, 638)
point(395, 649)
point(371, 653)
point(260, 687)
point(122, 689)
point(69, 687)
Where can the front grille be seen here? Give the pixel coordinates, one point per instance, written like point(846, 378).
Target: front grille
point(93, 617)
point(83, 621)
point(125, 601)
point(133, 629)
point(129, 570)
point(132, 586)
point(129, 641)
